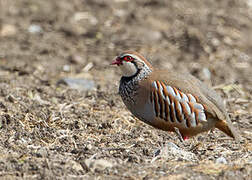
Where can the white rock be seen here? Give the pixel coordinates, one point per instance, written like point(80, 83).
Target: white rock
point(35, 29)
point(206, 73)
point(76, 83)
point(221, 160)
point(173, 152)
point(98, 164)
point(66, 68)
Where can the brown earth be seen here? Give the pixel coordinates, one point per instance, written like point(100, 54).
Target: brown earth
point(49, 130)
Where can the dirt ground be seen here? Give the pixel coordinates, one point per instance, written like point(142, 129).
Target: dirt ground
point(51, 130)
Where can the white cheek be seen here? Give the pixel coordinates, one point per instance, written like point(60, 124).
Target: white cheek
point(128, 69)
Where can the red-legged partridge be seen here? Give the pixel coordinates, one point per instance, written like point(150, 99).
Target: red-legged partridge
point(169, 100)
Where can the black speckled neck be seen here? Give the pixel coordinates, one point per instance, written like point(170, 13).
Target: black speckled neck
point(129, 85)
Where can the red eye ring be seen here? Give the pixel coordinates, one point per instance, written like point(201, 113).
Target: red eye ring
point(127, 58)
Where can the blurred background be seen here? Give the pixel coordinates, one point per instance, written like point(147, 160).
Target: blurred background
point(59, 107)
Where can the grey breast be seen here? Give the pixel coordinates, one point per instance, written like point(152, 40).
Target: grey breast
point(128, 92)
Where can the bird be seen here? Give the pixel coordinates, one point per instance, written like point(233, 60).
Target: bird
point(170, 100)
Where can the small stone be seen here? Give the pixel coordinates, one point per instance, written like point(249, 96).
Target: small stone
point(88, 67)
point(249, 3)
point(66, 68)
point(120, 13)
point(215, 42)
point(42, 152)
point(221, 160)
point(85, 16)
point(80, 84)
point(172, 145)
point(98, 164)
point(173, 152)
point(157, 152)
point(37, 98)
point(75, 166)
point(35, 29)
point(206, 73)
point(80, 15)
point(8, 30)
point(228, 40)
point(11, 98)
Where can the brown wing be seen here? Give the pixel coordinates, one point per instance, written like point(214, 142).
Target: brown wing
point(180, 109)
point(206, 96)
point(189, 84)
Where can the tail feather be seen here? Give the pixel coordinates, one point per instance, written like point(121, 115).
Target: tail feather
point(228, 129)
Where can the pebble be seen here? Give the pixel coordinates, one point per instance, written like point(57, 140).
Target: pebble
point(80, 84)
point(215, 42)
point(66, 68)
point(8, 30)
point(119, 13)
point(221, 160)
point(35, 29)
point(42, 152)
point(206, 73)
point(75, 165)
point(98, 164)
point(85, 16)
point(37, 98)
point(172, 152)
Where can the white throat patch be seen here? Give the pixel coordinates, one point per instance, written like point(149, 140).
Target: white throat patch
point(128, 69)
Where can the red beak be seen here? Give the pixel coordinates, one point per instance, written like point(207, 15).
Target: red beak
point(117, 62)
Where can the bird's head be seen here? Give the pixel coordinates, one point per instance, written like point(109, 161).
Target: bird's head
point(131, 63)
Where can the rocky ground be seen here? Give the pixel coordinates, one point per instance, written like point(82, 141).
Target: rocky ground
point(60, 112)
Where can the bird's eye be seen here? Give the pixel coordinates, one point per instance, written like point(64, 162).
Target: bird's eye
point(127, 58)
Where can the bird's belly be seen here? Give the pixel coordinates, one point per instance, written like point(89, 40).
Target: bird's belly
point(143, 112)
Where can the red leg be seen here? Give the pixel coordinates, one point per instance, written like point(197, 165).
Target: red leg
point(185, 137)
